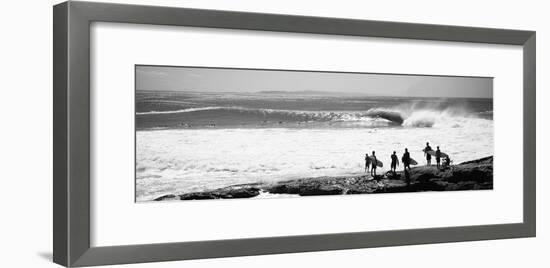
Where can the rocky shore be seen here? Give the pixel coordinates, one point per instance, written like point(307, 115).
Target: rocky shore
point(470, 175)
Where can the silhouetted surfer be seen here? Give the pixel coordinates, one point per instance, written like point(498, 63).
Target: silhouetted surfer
point(447, 161)
point(428, 156)
point(367, 163)
point(374, 162)
point(394, 162)
point(406, 159)
point(438, 157)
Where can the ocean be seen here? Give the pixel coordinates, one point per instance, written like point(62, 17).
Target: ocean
point(192, 141)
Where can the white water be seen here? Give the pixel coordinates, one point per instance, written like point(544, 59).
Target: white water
point(185, 160)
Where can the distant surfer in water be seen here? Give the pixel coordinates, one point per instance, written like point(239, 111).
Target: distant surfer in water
point(406, 159)
point(428, 156)
point(373, 166)
point(394, 162)
point(438, 157)
point(367, 163)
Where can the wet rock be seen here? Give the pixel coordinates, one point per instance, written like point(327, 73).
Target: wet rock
point(245, 192)
point(283, 189)
point(198, 196)
point(223, 193)
point(471, 175)
point(321, 190)
point(166, 197)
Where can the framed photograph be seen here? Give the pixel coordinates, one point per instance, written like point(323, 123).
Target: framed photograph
point(184, 133)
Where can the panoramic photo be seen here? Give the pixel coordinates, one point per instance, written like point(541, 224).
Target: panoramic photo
point(226, 133)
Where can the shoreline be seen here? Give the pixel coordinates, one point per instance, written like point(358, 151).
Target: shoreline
point(475, 174)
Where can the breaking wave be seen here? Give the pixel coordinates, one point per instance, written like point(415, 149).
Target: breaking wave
point(403, 115)
point(188, 110)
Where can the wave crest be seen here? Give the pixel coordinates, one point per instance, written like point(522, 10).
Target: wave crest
point(407, 116)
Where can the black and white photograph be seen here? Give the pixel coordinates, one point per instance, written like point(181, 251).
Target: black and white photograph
point(246, 134)
point(223, 133)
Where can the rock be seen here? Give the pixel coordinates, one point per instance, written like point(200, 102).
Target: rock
point(391, 186)
point(471, 175)
point(223, 193)
point(393, 176)
point(485, 160)
point(321, 190)
point(198, 196)
point(283, 189)
point(166, 197)
point(245, 192)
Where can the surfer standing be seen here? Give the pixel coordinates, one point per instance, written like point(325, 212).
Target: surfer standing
point(438, 157)
point(428, 156)
point(394, 162)
point(374, 163)
point(406, 159)
point(367, 163)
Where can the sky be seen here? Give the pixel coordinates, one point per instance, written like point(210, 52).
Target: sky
point(164, 78)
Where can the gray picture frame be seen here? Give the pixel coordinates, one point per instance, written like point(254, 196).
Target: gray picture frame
point(71, 117)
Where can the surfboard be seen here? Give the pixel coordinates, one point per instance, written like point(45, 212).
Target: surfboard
point(432, 152)
point(413, 162)
point(378, 163)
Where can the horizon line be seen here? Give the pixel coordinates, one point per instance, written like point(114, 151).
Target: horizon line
point(311, 91)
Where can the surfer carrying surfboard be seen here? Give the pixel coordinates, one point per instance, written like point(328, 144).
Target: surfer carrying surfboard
point(374, 164)
point(394, 162)
point(438, 157)
point(427, 153)
point(406, 159)
point(367, 163)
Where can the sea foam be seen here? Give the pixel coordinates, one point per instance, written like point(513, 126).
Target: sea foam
point(185, 160)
